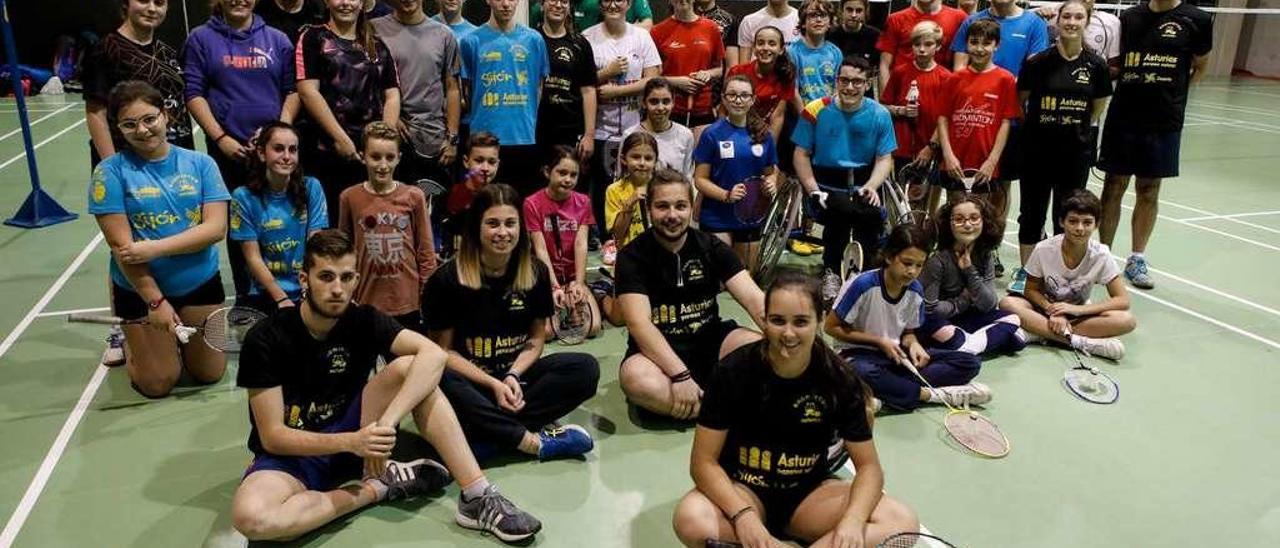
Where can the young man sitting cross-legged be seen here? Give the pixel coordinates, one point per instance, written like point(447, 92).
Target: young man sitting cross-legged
point(322, 429)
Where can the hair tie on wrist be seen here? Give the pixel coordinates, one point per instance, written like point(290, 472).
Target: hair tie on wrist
point(681, 376)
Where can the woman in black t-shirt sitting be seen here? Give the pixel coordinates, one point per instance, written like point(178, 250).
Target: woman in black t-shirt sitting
point(759, 457)
point(488, 308)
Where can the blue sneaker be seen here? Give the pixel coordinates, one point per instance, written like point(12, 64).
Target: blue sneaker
point(569, 440)
point(1019, 282)
point(1135, 270)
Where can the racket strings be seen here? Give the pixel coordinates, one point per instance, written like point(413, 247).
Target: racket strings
point(226, 328)
point(977, 433)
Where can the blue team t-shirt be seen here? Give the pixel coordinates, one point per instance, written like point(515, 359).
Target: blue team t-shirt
point(733, 157)
point(161, 198)
point(460, 29)
point(505, 71)
point(281, 232)
point(1020, 37)
point(838, 139)
point(816, 69)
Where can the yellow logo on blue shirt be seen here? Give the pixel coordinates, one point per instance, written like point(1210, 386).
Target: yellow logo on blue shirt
point(194, 216)
point(152, 221)
point(492, 56)
point(185, 184)
point(143, 192)
point(99, 189)
point(519, 53)
point(273, 224)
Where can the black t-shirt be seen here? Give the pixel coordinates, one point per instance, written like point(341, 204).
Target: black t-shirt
point(572, 67)
point(491, 324)
point(351, 81)
point(681, 287)
point(1156, 51)
point(778, 429)
point(1060, 104)
point(116, 59)
point(318, 379)
point(861, 43)
point(312, 13)
point(727, 23)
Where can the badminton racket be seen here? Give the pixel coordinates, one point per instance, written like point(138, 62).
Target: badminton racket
point(908, 540)
point(571, 324)
point(1088, 383)
point(974, 431)
point(851, 263)
point(754, 205)
point(223, 329)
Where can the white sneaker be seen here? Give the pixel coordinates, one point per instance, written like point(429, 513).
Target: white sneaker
point(974, 393)
point(113, 354)
point(1110, 348)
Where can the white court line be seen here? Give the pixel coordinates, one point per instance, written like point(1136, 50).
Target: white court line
point(1232, 216)
point(1232, 122)
point(51, 458)
point(1236, 108)
point(1190, 312)
point(23, 154)
point(60, 443)
point(1205, 228)
point(75, 311)
point(41, 119)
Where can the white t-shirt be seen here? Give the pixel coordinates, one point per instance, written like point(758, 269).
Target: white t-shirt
point(675, 147)
point(614, 115)
point(864, 305)
point(789, 24)
point(1102, 36)
point(1071, 285)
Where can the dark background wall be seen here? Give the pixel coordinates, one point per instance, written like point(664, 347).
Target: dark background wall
point(38, 23)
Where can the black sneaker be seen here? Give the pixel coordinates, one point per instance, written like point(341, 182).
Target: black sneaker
point(999, 267)
point(493, 513)
point(409, 479)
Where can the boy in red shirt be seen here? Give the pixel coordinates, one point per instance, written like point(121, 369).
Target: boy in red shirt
point(895, 42)
point(978, 103)
point(915, 121)
point(481, 164)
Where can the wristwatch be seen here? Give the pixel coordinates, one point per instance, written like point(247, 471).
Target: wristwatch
point(451, 138)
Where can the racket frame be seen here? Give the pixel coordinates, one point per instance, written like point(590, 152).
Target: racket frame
point(895, 540)
point(969, 413)
point(1097, 376)
point(754, 185)
point(182, 332)
point(571, 335)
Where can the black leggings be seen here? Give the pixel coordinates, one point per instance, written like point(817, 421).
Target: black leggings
point(554, 386)
point(1042, 179)
point(846, 213)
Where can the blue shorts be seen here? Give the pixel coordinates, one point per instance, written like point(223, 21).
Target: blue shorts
point(322, 472)
point(1146, 154)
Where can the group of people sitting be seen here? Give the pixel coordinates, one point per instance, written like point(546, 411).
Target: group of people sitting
point(463, 340)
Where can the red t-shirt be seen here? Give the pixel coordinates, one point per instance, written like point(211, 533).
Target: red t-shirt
point(913, 135)
point(975, 104)
point(769, 91)
point(896, 38)
point(687, 48)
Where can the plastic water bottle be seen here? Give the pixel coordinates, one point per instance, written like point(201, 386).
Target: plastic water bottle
point(913, 94)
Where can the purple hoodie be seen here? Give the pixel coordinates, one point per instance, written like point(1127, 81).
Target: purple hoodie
point(245, 75)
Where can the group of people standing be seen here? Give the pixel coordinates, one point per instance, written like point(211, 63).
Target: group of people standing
point(315, 116)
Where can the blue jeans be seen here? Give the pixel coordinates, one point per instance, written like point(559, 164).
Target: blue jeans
point(897, 387)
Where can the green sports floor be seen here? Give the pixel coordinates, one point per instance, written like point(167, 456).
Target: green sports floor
point(1187, 457)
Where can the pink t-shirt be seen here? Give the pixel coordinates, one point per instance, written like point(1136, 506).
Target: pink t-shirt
point(558, 222)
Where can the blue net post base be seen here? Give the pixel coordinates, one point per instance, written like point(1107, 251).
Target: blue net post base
point(40, 210)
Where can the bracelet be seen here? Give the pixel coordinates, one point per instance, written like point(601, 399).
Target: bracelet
point(681, 376)
point(511, 374)
point(220, 138)
point(733, 520)
point(156, 303)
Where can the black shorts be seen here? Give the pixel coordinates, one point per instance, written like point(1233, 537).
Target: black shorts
point(780, 504)
point(1146, 154)
point(1011, 156)
point(701, 354)
point(318, 472)
point(128, 305)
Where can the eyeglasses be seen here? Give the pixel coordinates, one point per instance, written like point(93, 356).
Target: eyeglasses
point(738, 97)
point(970, 220)
point(131, 125)
point(816, 15)
point(614, 2)
point(859, 82)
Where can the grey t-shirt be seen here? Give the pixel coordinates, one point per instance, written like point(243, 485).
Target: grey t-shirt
point(424, 54)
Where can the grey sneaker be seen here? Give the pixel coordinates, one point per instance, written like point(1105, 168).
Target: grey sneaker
point(1110, 348)
point(493, 513)
point(1135, 270)
point(113, 354)
point(831, 283)
point(409, 479)
point(974, 393)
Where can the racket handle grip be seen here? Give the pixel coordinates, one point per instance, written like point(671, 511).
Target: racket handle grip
point(82, 317)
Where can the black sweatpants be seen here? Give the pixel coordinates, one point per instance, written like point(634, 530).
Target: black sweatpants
point(1042, 179)
point(554, 386)
point(846, 216)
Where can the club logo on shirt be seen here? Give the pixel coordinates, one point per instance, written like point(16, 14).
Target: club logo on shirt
point(1081, 76)
point(495, 77)
point(337, 357)
point(519, 53)
point(492, 56)
point(236, 218)
point(811, 408)
point(1170, 29)
point(694, 271)
point(145, 192)
point(515, 301)
point(753, 457)
point(99, 190)
point(151, 221)
point(564, 54)
point(273, 224)
point(194, 216)
point(757, 150)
